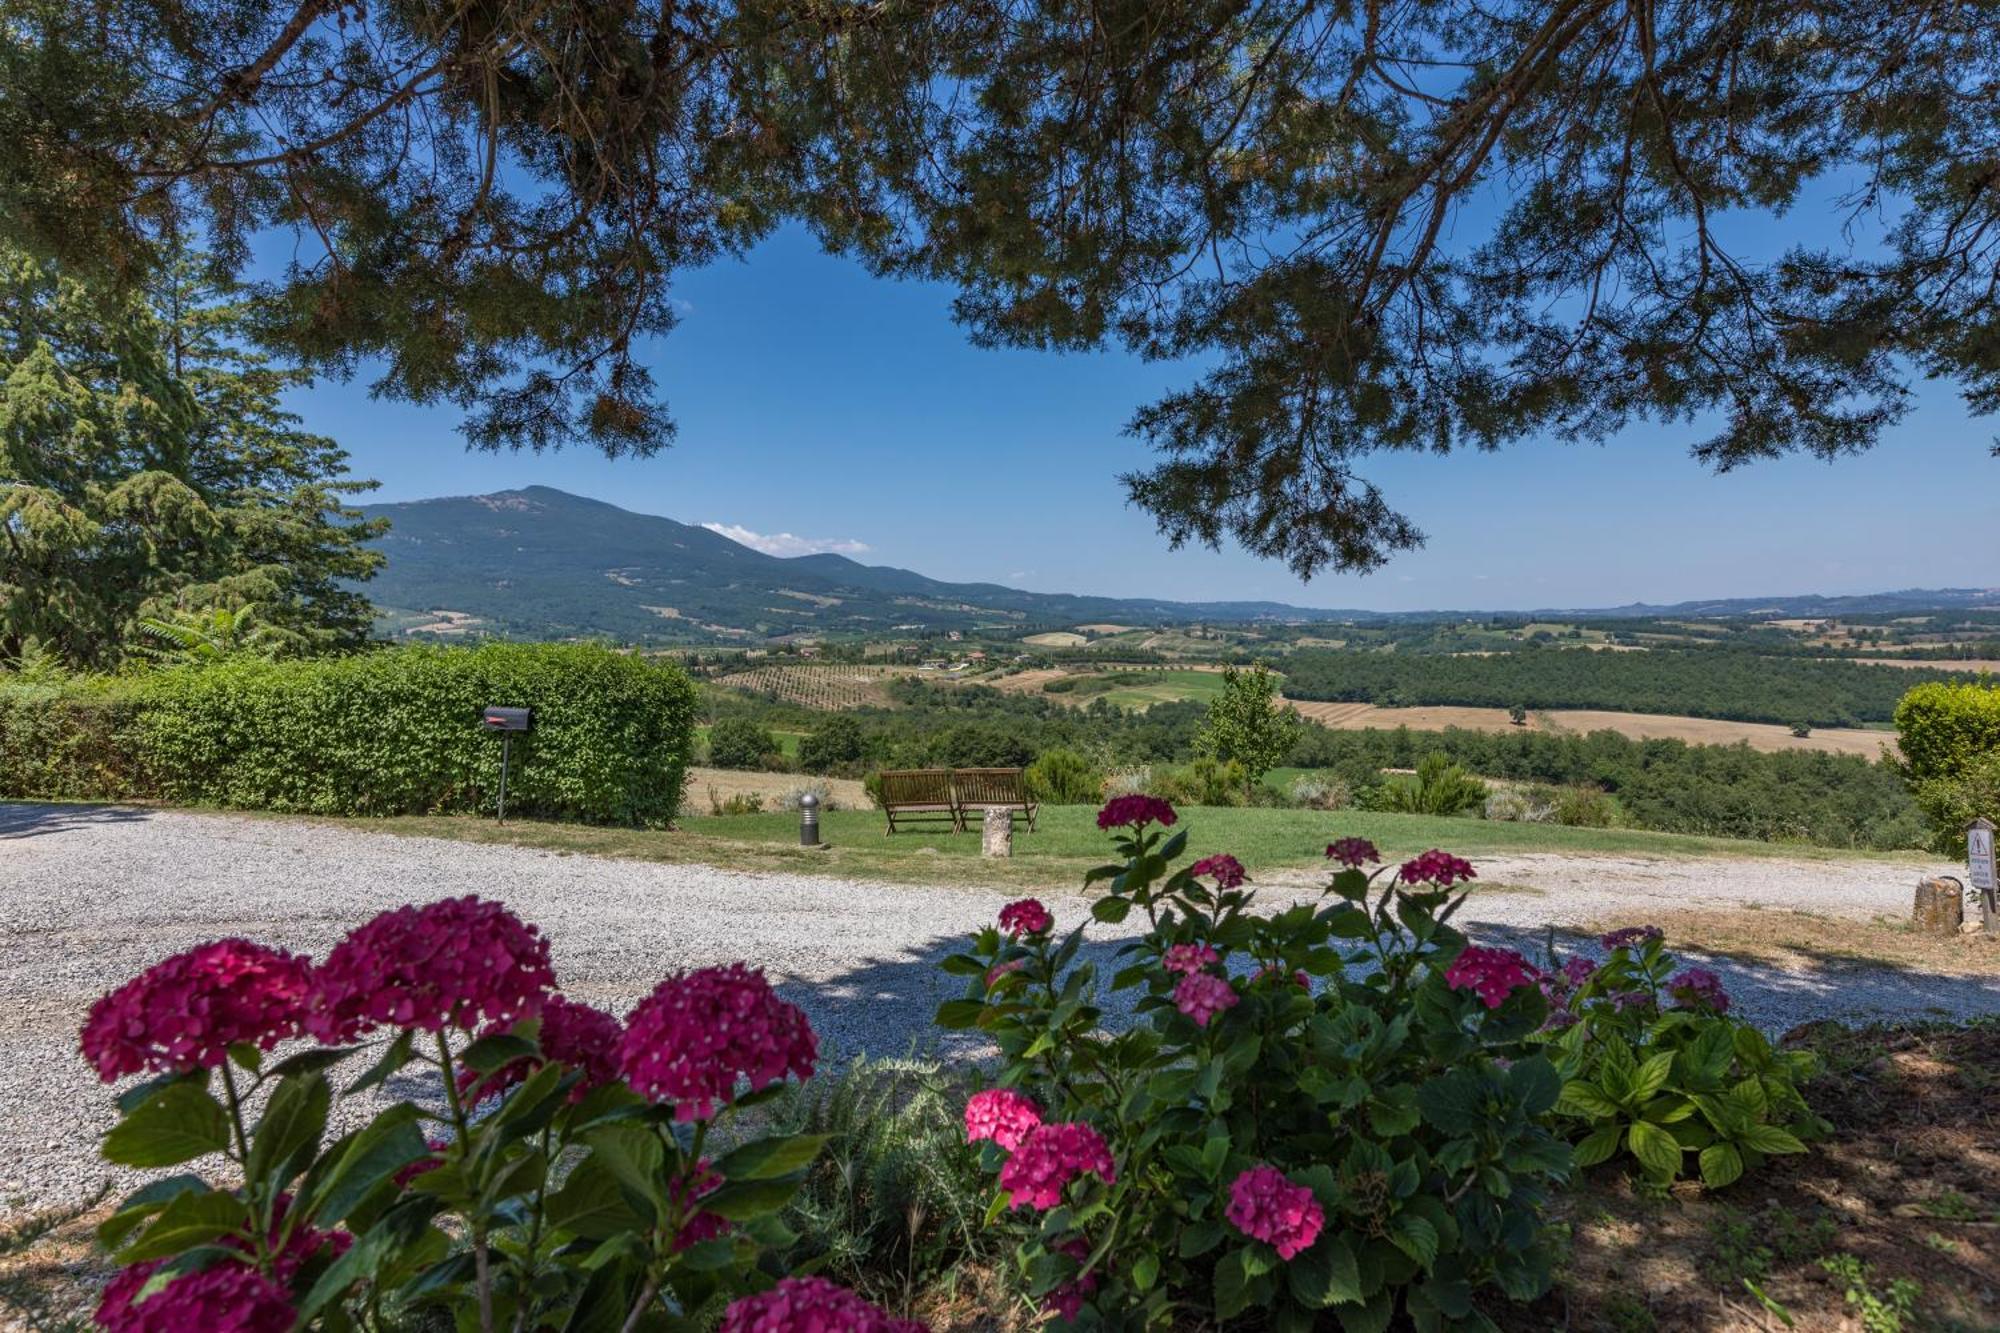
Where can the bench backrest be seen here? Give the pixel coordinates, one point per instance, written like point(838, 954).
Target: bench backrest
point(990, 786)
point(916, 786)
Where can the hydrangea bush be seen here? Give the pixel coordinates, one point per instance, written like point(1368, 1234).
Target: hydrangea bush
point(1654, 1067)
point(1329, 1110)
point(544, 1165)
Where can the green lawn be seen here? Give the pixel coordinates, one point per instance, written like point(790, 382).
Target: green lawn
point(1068, 842)
point(1130, 688)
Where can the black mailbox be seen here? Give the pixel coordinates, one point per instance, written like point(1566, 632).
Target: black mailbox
point(508, 719)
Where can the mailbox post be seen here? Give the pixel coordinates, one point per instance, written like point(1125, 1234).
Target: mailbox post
point(506, 721)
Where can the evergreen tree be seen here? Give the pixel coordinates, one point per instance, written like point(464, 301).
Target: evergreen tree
point(1425, 226)
point(149, 470)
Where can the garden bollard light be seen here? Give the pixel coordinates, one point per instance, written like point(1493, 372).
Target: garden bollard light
point(808, 820)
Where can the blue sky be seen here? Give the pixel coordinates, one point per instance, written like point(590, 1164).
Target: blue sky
point(817, 401)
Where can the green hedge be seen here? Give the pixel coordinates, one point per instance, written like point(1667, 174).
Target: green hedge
point(392, 732)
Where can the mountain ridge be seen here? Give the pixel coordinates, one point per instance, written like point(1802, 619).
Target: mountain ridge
point(541, 562)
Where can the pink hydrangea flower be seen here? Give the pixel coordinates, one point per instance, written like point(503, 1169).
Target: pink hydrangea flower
point(186, 1012)
point(1002, 1115)
point(1629, 937)
point(1049, 1158)
point(1352, 852)
point(1698, 988)
point(1065, 1301)
point(1188, 959)
point(1576, 971)
point(1135, 811)
point(456, 963)
point(1264, 1206)
point(1225, 870)
point(222, 1298)
point(810, 1305)
point(1493, 974)
point(999, 970)
point(687, 1191)
point(1202, 995)
point(1026, 917)
point(1436, 867)
point(701, 1033)
point(577, 1035)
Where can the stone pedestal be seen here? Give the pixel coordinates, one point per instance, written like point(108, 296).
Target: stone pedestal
point(997, 834)
point(1940, 906)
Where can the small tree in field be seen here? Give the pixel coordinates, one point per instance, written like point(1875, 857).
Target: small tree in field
point(1246, 724)
point(1518, 715)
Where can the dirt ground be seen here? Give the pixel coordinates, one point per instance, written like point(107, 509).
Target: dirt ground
point(1639, 726)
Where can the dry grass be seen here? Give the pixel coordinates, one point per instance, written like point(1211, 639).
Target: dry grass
point(723, 783)
point(1639, 726)
point(1808, 942)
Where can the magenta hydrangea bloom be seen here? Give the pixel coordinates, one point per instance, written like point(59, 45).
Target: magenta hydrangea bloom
point(1065, 1301)
point(1002, 1115)
point(1202, 995)
point(406, 1175)
point(1049, 1158)
point(1436, 867)
point(1576, 971)
point(1188, 959)
point(1493, 974)
point(1026, 917)
point(1225, 870)
point(1353, 852)
point(687, 1191)
point(701, 1033)
point(577, 1035)
point(1135, 811)
point(222, 1298)
point(186, 1012)
point(810, 1305)
point(1629, 937)
point(1698, 988)
point(1264, 1206)
point(455, 963)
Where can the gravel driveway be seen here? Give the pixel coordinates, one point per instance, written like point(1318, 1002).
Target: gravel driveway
point(90, 896)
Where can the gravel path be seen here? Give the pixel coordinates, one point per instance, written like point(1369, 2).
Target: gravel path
point(89, 897)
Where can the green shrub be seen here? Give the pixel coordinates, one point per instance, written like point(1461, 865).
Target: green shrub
point(1654, 1067)
point(1064, 777)
point(1438, 787)
point(1205, 781)
point(1580, 805)
point(1949, 735)
point(71, 740)
point(738, 742)
point(394, 732)
point(897, 1200)
point(835, 744)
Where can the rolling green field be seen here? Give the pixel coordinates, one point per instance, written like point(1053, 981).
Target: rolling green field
point(1069, 842)
point(1143, 689)
point(788, 741)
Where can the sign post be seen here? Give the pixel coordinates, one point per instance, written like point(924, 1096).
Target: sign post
point(1979, 869)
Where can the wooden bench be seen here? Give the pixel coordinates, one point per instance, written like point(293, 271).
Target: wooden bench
point(919, 796)
point(983, 789)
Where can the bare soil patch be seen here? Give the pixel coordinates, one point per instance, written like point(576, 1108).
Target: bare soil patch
point(1640, 726)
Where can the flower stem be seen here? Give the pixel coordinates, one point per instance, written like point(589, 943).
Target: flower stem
point(483, 1275)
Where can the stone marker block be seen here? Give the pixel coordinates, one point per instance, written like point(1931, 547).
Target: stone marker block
point(997, 834)
point(1940, 906)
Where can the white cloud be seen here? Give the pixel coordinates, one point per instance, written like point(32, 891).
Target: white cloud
point(786, 543)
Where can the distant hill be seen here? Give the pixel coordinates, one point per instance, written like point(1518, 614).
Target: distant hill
point(542, 563)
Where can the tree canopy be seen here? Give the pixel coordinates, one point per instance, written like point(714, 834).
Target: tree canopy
point(149, 475)
point(1369, 226)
